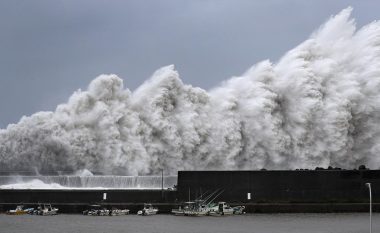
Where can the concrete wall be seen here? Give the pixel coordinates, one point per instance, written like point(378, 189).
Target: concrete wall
point(75, 201)
point(271, 191)
point(307, 186)
point(86, 196)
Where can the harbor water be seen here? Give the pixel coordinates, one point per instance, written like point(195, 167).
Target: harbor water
point(256, 223)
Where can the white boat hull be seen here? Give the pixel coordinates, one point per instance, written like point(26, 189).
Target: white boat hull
point(52, 212)
point(119, 212)
point(178, 212)
point(217, 213)
point(195, 213)
point(147, 212)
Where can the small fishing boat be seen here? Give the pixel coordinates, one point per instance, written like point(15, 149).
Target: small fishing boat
point(196, 208)
point(222, 208)
point(239, 209)
point(97, 210)
point(119, 212)
point(148, 210)
point(45, 210)
point(29, 210)
point(19, 210)
point(199, 207)
point(182, 208)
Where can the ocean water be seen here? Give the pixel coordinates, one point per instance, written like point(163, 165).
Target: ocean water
point(253, 223)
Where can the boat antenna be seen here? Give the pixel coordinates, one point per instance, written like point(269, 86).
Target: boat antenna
point(215, 197)
point(206, 193)
point(211, 195)
point(200, 197)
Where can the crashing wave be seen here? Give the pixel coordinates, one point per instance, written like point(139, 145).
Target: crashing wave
point(318, 106)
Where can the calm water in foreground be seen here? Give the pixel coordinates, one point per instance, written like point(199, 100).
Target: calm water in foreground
point(259, 223)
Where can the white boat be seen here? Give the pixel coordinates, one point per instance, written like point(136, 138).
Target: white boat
point(29, 210)
point(178, 212)
point(20, 210)
point(46, 209)
point(204, 207)
point(182, 208)
point(239, 209)
point(222, 208)
point(148, 210)
point(97, 210)
point(119, 212)
point(196, 208)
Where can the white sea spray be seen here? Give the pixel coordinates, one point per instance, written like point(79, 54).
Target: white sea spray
point(318, 106)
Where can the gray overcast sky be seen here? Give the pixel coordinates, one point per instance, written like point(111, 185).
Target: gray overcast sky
point(49, 49)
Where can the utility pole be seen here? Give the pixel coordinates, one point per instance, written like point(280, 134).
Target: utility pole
point(162, 184)
point(370, 206)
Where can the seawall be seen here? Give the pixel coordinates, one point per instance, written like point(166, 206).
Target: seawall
point(286, 191)
point(269, 191)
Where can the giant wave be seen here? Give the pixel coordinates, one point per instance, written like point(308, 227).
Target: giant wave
point(318, 106)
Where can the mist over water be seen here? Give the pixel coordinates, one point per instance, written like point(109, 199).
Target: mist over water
point(318, 106)
point(87, 182)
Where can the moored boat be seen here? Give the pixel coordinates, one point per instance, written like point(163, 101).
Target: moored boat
point(182, 208)
point(147, 210)
point(19, 210)
point(96, 210)
point(119, 212)
point(222, 208)
point(178, 212)
point(196, 208)
point(45, 210)
point(239, 209)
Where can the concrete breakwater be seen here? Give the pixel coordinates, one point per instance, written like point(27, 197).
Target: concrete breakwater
point(86, 182)
point(260, 191)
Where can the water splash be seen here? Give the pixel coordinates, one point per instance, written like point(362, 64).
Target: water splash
point(87, 182)
point(318, 106)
